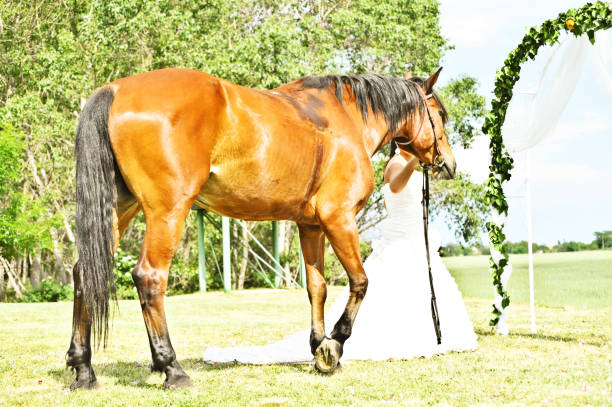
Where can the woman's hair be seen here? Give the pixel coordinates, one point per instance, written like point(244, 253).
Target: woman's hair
point(392, 148)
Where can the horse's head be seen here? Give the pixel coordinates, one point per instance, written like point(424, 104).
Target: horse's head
point(424, 136)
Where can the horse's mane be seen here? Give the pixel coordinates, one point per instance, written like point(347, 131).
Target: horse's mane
point(396, 99)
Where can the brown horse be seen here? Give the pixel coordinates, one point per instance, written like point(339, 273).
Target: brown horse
point(163, 141)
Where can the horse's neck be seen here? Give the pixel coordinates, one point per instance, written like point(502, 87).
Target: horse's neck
point(374, 130)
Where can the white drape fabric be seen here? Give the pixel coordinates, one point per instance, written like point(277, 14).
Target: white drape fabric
point(539, 100)
point(602, 61)
point(536, 107)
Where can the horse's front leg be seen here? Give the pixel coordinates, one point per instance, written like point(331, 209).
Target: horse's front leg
point(150, 275)
point(312, 241)
point(341, 230)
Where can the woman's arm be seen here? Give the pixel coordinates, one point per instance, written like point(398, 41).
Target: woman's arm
point(398, 171)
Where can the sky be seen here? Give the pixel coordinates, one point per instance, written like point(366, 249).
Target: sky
point(571, 171)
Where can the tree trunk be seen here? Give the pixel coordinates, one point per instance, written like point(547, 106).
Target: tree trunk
point(2, 272)
point(245, 256)
point(35, 270)
point(282, 249)
point(13, 278)
point(235, 255)
point(290, 230)
point(22, 270)
point(62, 275)
point(287, 274)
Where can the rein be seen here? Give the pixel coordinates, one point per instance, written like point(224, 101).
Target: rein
point(434, 306)
point(435, 316)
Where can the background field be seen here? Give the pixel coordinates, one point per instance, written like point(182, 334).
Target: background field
point(567, 362)
point(581, 280)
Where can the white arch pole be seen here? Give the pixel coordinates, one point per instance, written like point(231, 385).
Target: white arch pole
point(530, 242)
point(227, 260)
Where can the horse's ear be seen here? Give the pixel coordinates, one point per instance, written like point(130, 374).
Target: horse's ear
point(431, 81)
point(408, 75)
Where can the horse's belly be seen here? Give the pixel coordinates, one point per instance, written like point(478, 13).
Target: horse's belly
point(255, 200)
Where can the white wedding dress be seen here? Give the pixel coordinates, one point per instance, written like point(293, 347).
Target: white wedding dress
point(394, 320)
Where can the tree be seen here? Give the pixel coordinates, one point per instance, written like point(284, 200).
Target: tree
point(603, 239)
point(53, 54)
point(24, 223)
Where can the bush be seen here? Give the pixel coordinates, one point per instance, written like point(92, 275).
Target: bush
point(124, 264)
point(182, 278)
point(49, 291)
point(334, 271)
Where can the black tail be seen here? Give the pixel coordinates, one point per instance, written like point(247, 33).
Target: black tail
point(96, 197)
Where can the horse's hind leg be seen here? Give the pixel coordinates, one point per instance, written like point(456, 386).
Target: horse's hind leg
point(341, 230)
point(163, 233)
point(312, 241)
point(79, 353)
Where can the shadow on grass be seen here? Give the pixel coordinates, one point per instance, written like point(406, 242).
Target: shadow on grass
point(594, 340)
point(136, 374)
point(127, 373)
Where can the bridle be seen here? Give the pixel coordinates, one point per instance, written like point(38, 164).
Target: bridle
point(438, 161)
point(435, 316)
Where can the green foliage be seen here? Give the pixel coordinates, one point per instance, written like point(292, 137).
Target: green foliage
point(459, 202)
point(453, 249)
point(49, 291)
point(588, 19)
point(183, 278)
point(11, 153)
point(603, 239)
point(334, 272)
point(522, 247)
point(124, 264)
point(573, 246)
point(23, 222)
point(465, 107)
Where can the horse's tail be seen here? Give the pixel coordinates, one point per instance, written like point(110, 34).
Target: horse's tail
point(96, 198)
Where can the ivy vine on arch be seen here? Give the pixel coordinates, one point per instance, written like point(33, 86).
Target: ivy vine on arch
point(586, 20)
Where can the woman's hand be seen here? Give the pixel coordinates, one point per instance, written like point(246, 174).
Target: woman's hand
point(406, 155)
point(399, 169)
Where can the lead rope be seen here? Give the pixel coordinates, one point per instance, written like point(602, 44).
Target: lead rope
point(434, 306)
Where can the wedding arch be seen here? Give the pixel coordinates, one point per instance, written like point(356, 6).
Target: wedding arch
point(577, 22)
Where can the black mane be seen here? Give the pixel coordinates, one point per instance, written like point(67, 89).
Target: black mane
point(396, 99)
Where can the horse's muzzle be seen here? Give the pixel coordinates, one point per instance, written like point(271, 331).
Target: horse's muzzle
point(450, 168)
point(446, 170)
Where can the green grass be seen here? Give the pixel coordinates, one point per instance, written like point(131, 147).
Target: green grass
point(582, 280)
point(567, 362)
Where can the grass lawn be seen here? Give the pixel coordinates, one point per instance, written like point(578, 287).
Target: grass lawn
point(581, 280)
point(568, 362)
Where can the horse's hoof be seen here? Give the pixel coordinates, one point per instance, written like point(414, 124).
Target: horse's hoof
point(177, 382)
point(327, 356)
point(84, 384)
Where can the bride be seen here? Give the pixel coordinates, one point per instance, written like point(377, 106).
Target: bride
point(398, 298)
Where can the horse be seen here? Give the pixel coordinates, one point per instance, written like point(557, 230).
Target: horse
point(166, 140)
